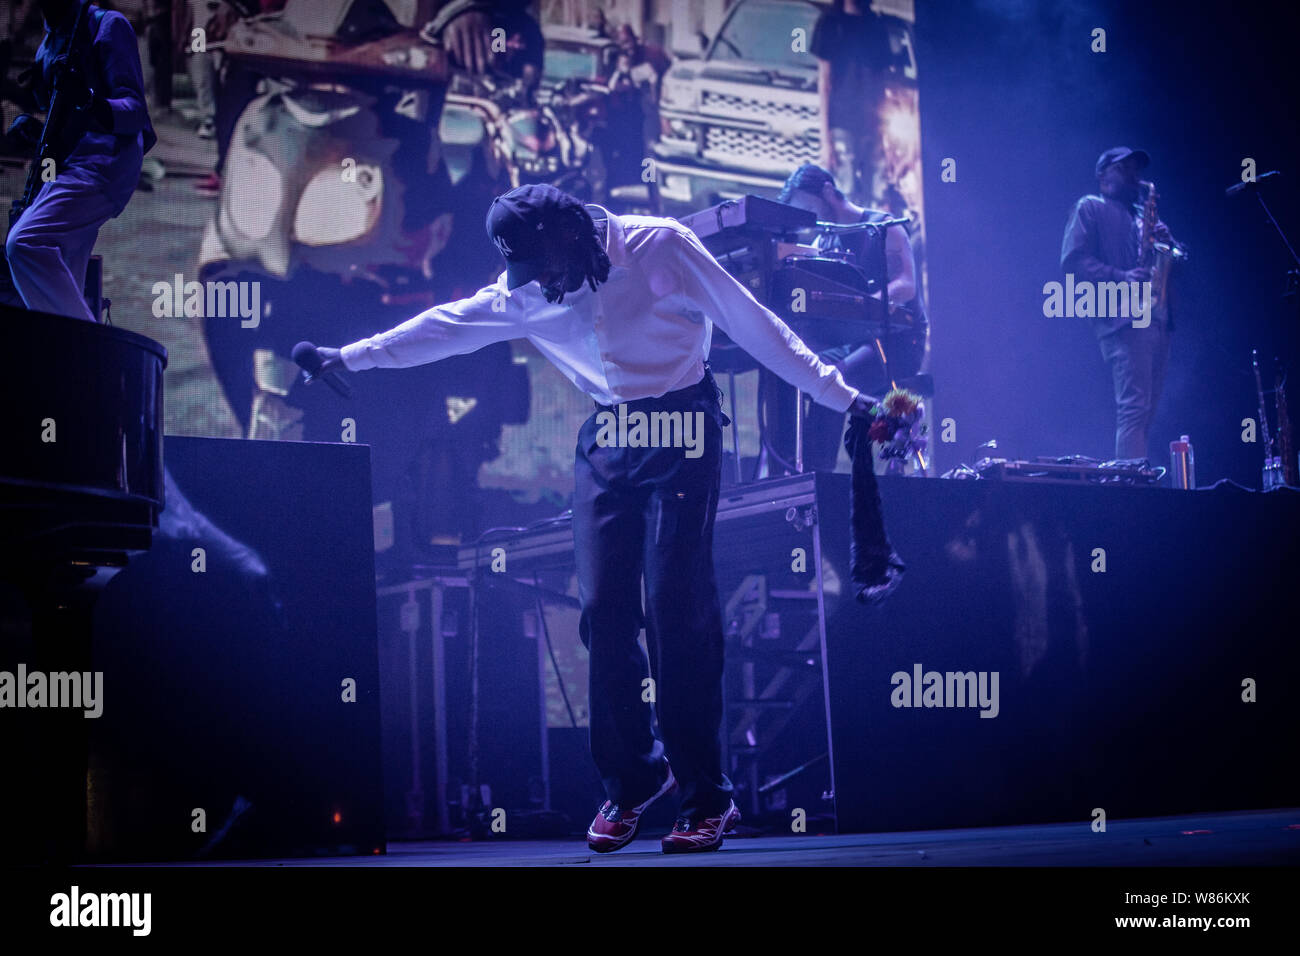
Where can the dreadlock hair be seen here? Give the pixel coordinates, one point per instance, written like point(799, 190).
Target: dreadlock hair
point(588, 261)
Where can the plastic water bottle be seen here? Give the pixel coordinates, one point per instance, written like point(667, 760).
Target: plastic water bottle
point(1182, 461)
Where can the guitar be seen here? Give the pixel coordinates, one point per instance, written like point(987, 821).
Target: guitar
point(57, 119)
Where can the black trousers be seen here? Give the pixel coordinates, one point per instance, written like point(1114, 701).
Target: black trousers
point(648, 513)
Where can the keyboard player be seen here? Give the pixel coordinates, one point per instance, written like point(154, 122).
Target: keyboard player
point(813, 188)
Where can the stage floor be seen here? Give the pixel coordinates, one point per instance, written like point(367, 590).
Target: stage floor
point(1249, 838)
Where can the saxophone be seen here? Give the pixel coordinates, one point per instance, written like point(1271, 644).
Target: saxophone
point(1156, 255)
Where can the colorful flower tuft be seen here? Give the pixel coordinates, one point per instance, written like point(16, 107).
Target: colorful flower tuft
point(898, 427)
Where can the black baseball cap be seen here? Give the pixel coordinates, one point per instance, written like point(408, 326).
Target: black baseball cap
point(1116, 153)
point(520, 223)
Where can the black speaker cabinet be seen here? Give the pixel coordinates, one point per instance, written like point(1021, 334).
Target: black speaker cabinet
point(240, 692)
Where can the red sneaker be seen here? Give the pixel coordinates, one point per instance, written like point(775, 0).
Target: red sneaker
point(209, 184)
point(615, 827)
point(687, 837)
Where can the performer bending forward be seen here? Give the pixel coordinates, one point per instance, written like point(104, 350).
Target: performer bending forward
point(622, 305)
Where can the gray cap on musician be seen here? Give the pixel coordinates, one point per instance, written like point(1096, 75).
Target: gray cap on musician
point(1117, 153)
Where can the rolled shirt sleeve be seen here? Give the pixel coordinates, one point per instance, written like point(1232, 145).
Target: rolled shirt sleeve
point(756, 329)
point(466, 325)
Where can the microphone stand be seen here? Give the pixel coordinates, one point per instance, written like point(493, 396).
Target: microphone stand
point(1292, 275)
point(872, 228)
point(1273, 467)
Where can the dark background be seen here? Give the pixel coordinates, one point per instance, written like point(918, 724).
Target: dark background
point(1012, 91)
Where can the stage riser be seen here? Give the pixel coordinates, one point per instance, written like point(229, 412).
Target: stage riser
point(1120, 690)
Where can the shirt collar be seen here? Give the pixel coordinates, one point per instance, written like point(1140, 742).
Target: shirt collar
point(615, 242)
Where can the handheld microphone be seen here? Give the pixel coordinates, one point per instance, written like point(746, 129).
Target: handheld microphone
point(1242, 187)
point(309, 360)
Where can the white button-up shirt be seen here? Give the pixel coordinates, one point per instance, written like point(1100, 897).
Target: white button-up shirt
point(644, 332)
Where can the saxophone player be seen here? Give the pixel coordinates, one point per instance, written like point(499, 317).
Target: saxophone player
point(1103, 243)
